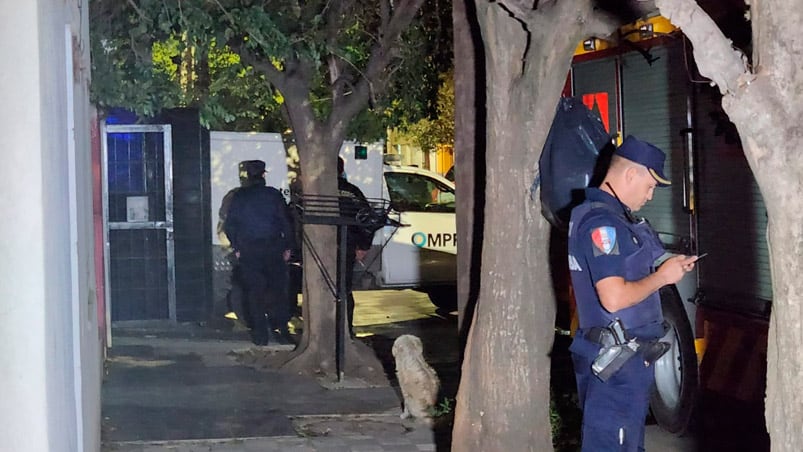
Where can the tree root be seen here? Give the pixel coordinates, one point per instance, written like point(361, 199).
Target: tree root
point(361, 362)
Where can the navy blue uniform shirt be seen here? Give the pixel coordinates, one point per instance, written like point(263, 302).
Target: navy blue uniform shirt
point(603, 242)
point(257, 213)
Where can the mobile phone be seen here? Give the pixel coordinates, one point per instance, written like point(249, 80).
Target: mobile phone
point(700, 256)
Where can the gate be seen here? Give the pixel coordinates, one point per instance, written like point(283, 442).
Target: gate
point(139, 256)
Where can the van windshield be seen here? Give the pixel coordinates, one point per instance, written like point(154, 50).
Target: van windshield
point(419, 193)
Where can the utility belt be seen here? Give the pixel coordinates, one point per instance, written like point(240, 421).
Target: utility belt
point(618, 347)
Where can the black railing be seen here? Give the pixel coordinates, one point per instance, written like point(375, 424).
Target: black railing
point(343, 212)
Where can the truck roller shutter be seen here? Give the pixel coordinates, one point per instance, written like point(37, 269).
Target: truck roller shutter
point(654, 109)
point(735, 276)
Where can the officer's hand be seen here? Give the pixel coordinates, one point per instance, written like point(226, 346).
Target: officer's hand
point(674, 268)
point(286, 255)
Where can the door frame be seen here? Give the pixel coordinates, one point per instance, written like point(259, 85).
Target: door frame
point(167, 224)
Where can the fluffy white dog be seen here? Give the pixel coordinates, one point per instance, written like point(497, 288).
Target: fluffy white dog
point(418, 381)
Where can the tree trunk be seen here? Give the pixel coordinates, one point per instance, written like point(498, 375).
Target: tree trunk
point(772, 143)
point(316, 352)
point(469, 86)
point(765, 105)
point(503, 400)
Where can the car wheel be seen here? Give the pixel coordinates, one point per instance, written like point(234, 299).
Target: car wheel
point(676, 379)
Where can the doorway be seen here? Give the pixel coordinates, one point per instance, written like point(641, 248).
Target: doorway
point(138, 230)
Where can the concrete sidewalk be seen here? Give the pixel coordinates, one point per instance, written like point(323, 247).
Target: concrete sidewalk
point(180, 388)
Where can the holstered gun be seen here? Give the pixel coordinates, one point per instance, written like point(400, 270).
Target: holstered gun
point(618, 348)
point(612, 357)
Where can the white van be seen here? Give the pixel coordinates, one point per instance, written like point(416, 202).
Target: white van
point(421, 253)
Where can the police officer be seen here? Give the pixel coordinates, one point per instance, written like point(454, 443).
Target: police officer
point(611, 261)
point(259, 231)
point(358, 238)
point(234, 294)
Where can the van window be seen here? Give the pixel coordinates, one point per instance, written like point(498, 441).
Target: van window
point(419, 193)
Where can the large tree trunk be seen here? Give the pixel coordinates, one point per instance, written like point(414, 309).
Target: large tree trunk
point(318, 145)
point(767, 119)
point(469, 127)
point(765, 105)
point(318, 150)
point(503, 400)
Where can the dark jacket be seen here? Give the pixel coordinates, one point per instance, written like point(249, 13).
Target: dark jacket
point(257, 213)
point(352, 200)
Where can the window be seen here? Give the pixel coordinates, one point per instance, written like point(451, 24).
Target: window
point(419, 193)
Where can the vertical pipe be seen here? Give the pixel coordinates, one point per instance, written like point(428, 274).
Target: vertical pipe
point(104, 165)
point(342, 301)
point(167, 133)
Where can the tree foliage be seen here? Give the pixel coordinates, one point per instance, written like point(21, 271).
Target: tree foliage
point(149, 55)
point(437, 129)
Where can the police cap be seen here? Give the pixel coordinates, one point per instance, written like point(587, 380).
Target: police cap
point(645, 154)
point(252, 168)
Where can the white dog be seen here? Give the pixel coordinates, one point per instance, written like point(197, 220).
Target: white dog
point(418, 381)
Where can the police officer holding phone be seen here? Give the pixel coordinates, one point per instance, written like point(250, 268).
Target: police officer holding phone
point(611, 261)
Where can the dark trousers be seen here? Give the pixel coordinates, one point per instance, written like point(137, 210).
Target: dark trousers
point(263, 275)
point(614, 411)
point(350, 260)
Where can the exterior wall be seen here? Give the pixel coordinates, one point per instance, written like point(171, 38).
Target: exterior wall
point(192, 214)
point(49, 339)
point(445, 159)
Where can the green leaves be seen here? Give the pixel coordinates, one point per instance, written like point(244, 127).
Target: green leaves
point(154, 54)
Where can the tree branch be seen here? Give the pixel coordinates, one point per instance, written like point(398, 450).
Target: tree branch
point(277, 78)
point(717, 59)
point(374, 78)
point(140, 13)
point(384, 15)
point(226, 13)
point(403, 14)
point(519, 10)
point(334, 15)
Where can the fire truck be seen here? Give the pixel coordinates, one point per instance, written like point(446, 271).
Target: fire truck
point(646, 85)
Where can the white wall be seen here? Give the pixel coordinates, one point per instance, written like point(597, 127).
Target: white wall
point(366, 174)
point(49, 340)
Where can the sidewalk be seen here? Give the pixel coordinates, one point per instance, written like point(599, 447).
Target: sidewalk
point(179, 388)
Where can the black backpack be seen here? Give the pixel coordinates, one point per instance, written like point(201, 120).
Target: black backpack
point(576, 154)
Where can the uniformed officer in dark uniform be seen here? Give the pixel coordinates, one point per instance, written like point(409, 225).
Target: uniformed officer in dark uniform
point(611, 260)
point(259, 231)
point(358, 238)
point(234, 293)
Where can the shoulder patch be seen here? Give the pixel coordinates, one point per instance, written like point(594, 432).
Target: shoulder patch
point(604, 240)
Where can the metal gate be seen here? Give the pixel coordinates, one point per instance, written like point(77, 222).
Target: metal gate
point(139, 256)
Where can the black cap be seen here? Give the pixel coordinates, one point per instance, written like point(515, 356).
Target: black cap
point(252, 168)
point(645, 154)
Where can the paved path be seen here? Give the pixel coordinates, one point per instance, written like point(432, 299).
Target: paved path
point(179, 389)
